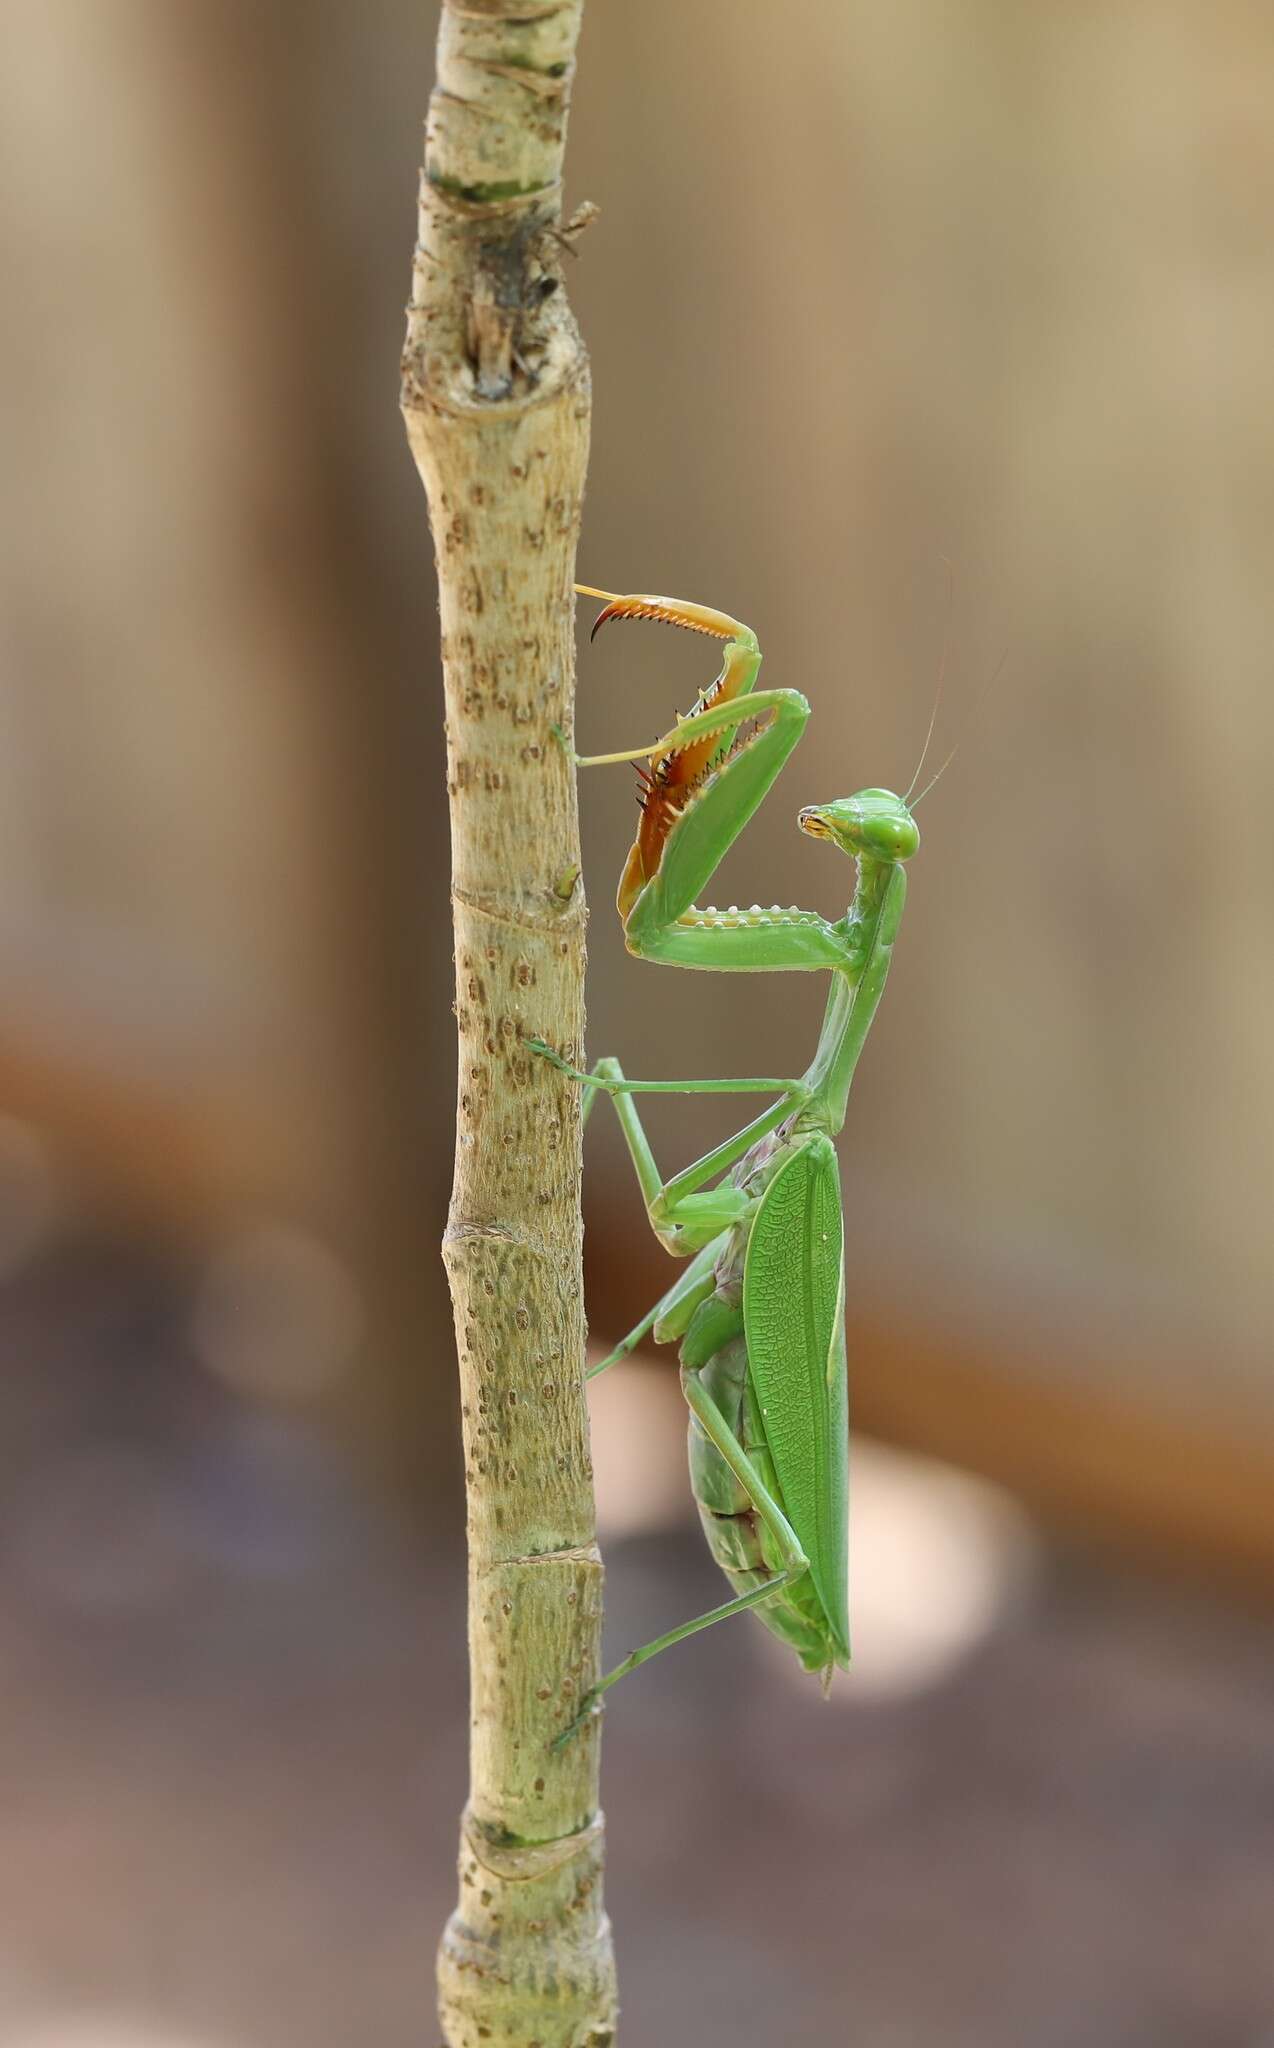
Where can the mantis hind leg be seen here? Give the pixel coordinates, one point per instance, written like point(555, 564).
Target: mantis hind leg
point(795, 1563)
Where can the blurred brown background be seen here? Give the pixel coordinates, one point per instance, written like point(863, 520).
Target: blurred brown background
point(874, 290)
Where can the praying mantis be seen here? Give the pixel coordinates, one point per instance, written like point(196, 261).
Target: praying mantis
point(760, 1309)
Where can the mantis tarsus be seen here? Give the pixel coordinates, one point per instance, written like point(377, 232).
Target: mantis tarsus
point(760, 1310)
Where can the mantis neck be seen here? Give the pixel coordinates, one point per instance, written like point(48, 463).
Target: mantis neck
point(874, 916)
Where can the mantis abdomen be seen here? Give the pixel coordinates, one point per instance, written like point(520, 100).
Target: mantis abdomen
point(736, 1535)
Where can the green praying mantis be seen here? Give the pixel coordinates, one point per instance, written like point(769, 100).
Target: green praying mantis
point(760, 1309)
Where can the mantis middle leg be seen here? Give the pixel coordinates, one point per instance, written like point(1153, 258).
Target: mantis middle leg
point(671, 1314)
point(683, 1217)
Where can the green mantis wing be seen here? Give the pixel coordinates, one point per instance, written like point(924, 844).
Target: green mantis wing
point(794, 1314)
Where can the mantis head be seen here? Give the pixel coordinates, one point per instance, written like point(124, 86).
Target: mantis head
point(875, 823)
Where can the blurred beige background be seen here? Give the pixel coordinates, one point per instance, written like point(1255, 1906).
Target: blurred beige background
point(873, 290)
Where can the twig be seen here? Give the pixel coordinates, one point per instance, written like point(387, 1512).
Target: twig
point(496, 399)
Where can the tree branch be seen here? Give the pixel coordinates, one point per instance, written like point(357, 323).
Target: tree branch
point(496, 399)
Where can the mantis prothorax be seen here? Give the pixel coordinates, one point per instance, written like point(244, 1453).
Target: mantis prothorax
point(760, 1310)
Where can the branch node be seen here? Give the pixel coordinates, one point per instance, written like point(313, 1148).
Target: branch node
point(523, 1862)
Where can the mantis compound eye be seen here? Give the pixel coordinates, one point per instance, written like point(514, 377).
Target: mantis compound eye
point(891, 837)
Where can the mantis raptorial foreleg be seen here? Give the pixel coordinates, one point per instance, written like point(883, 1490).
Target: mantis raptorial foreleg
point(794, 1560)
point(786, 705)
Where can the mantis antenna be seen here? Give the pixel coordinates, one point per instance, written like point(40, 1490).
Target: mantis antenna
point(942, 677)
point(992, 679)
